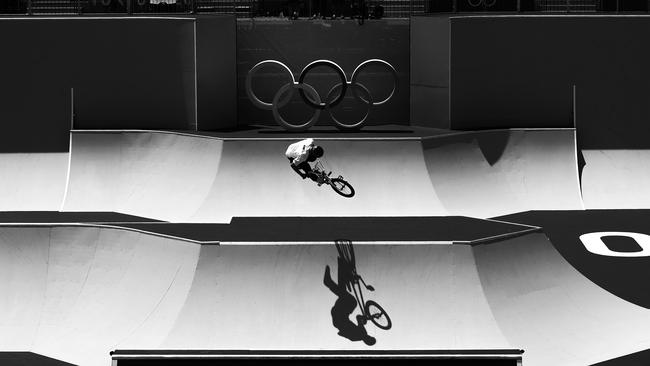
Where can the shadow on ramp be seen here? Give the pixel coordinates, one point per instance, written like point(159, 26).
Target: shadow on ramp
point(349, 283)
point(491, 143)
point(29, 359)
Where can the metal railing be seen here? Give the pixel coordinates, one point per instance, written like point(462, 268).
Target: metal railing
point(313, 8)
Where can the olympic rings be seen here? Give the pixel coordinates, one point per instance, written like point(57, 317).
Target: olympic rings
point(368, 101)
point(311, 97)
point(339, 71)
point(365, 64)
point(301, 87)
point(249, 84)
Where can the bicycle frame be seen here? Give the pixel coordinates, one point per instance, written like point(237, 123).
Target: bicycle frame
point(346, 251)
point(319, 167)
point(358, 294)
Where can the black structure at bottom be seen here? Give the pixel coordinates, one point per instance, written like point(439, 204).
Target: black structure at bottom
point(497, 357)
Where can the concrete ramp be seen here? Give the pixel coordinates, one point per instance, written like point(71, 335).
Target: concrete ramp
point(158, 175)
point(76, 293)
point(182, 178)
point(255, 179)
point(616, 178)
point(71, 292)
point(273, 297)
point(492, 173)
point(545, 306)
point(32, 181)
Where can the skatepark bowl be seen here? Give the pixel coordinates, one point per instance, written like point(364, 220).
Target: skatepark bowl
point(156, 247)
point(149, 215)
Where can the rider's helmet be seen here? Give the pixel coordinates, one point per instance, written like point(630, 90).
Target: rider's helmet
point(317, 152)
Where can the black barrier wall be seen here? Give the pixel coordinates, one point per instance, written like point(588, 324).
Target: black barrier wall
point(297, 43)
point(216, 49)
point(126, 73)
point(518, 71)
point(118, 73)
point(430, 71)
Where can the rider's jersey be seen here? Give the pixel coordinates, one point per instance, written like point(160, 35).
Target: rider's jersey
point(299, 151)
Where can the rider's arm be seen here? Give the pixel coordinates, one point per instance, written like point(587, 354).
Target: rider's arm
point(303, 175)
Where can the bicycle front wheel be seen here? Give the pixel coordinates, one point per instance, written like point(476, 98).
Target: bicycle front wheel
point(378, 315)
point(342, 187)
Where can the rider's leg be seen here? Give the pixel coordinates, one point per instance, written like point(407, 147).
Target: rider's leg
point(297, 169)
point(304, 166)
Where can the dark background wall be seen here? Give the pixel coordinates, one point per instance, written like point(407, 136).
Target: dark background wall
point(216, 49)
point(297, 43)
point(127, 73)
point(518, 71)
point(430, 71)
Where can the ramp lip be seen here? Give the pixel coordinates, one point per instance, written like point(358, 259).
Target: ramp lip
point(108, 225)
point(67, 176)
point(293, 138)
point(188, 134)
point(515, 223)
point(491, 239)
point(116, 226)
point(471, 132)
point(356, 242)
point(310, 354)
point(232, 240)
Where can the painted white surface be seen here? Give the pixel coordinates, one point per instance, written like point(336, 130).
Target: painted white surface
point(157, 175)
point(255, 179)
point(32, 181)
point(536, 171)
point(545, 306)
point(182, 178)
point(76, 293)
point(616, 179)
point(273, 297)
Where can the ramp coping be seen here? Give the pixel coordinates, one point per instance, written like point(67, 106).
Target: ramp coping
point(116, 226)
point(292, 138)
point(302, 354)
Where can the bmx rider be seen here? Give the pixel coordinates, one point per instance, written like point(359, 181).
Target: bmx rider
point(300, 154)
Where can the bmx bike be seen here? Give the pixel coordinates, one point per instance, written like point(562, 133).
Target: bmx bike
point(370, 310)
point(338, 184)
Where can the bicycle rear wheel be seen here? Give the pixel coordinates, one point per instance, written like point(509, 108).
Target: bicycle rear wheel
point(342, 187)
point(378, 315)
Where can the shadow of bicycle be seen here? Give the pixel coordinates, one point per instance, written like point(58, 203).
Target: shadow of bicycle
point(349, 290)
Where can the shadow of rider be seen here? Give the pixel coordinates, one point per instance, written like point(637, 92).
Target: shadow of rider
point(345, 304)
